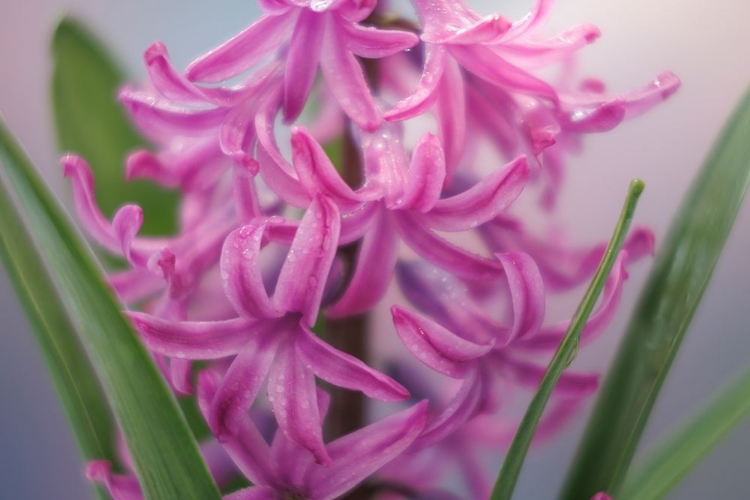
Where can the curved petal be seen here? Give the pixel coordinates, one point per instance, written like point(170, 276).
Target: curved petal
point(303, 276)
point(199, 340)
point(343, 370)
point(274, 169)
point(244, 50)
point(442, 253)
point(450, 108)
point(373, 43)
point(435, 346)
point(461, 408)
point(237, 135)
point(292, 394)
point(538, 54)
point(549, 337)
point(482, 202)
point(375, 262)
point(528, 375)
point(316, 172)
point(359, 454)
point(302, 60)
point(526, 293)
point(241, 273)
point(159, 118)
point(424, 95)
point(490, 29)
point(489, 66)
point(82, 182)
point(345, 78)
point(426, 175)
point(243, 381)
point(254, 493)
point(120, 487)
point(247, 448)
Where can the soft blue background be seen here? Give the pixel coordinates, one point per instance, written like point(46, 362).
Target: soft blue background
point(705, 44)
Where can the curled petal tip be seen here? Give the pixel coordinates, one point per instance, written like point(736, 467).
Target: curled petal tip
point(668, 82)
point(98, 470)
point(155, 51)
point(73, 164)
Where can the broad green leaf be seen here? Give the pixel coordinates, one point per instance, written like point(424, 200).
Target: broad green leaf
point(566, 352)
point(165, 454)
point(72, 373)
point(91, 122)
point(682, 270)
point(673, 459)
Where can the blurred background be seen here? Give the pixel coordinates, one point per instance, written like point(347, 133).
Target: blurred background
point(705, 44)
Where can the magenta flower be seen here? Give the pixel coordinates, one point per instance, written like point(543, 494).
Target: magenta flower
point(322, 33)
point(272, 336)
point(266, 218)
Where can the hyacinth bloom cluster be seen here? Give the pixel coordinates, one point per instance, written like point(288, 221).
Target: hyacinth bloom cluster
point(267, 221)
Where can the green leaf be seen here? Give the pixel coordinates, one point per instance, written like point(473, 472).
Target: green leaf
point(673, 459)
point(682, 270)
point(566, 351)
point(91, 122)
point(72, 373)
point(165, 454)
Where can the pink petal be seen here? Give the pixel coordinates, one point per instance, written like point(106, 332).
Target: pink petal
point(82, 182)
point(528, 375)
point(346, 79)
point(426, 175)
point(169, 82)
point(361, 453)
point(302, 279)
point(375, 262)
point(241, 273)
point(243, 381)
point(193, 339)
point(255, 493)
point(373, 43)
point(274, 169)
point(442, 253)
point(291, 392)
point(461, 408)
point(237, 135)
point(243, 51)
point(538, 54)
point(539, 14)
point(181, 375)
point(601, 496)
point(247, 448)
point(435, 346)
point(120, 487)
point(354, 225)
point(343, 370)
point(482, 202)
point(549, 337)
point(489, 66)
point(450, 109)
point(302, 61)
point(421, 98)
point(158, 118)
point(490, 29)
point(316, 172)
point(526, 293)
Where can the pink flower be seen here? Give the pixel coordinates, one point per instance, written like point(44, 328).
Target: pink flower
point(271, 338)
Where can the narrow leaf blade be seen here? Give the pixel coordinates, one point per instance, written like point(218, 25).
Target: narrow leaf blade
point(165, 454)
point(566, 351)
point(73, 375)
point(91, 123)
point(676, 456)
point(682, 270)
